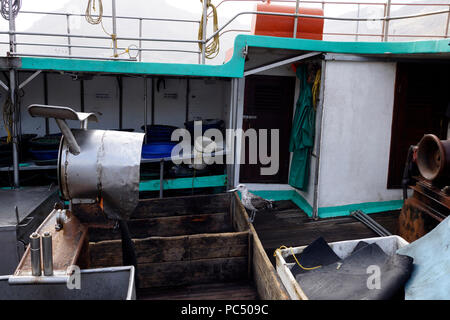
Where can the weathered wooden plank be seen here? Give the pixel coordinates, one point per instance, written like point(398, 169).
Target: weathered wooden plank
point(243, 290)
point(264, 274)
point(167, 226)
point(166, 249)
point(168, 274)
point(239, 215)
point(188, 205)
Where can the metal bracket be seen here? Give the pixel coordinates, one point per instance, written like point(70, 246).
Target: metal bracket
point(4, 86)
point(60, 114)
point(27, 80)
point(281, 63)
point(245, 51)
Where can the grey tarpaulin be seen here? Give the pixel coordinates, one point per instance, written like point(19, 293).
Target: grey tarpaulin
point(349, 278)
point(430, 279)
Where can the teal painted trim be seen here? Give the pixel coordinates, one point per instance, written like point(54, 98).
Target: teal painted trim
point(328, 212)
point(367, 207)
point(232, 69)
point(275, 195)
point(302, 203)
point(235, 67)
point(184, 183)
point(410, 47)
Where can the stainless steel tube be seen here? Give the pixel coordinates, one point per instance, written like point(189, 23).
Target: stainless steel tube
point(47, 254)
point(35, 247)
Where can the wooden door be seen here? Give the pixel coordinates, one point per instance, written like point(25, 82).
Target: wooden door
point(268, 104)
point(420, 106)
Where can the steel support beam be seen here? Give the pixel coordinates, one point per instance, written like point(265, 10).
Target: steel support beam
point(280, 63)
point(27, 80)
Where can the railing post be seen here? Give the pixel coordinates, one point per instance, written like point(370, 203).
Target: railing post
point(297, 3)
point(12, 95)
point(204, 22)
point(357, 23)
point(140, 41)
point(12, 28)
point(114, 27)
point(69, 42)
point(386, 25)
point(447, 24)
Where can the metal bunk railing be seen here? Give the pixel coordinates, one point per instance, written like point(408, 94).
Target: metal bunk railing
point(384, 35)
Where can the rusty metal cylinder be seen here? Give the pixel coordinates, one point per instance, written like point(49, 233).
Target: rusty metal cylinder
point(35, 254)
point(433, 158)
point(47, 254)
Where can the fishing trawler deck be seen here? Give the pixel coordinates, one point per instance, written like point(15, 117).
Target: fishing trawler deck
point(290, 226)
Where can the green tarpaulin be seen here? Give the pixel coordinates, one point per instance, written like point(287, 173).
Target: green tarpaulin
point(302, 135)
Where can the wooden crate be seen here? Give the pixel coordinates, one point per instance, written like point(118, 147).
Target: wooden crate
point(191, 240)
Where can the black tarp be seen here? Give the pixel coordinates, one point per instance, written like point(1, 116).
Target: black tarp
point(354, 277)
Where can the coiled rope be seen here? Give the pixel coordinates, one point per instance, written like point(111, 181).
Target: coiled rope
point(4, 8)
point(315, 89)
point(212, 49)
point(99, 20)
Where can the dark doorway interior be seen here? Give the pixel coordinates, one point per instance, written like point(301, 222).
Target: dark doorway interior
point(268, 104)
point(421, 106)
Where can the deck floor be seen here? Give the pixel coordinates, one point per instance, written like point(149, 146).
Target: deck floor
point(288, 225)
point(210, 291)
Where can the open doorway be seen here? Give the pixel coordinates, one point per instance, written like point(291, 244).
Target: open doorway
point(268, 104)
point(421, 106)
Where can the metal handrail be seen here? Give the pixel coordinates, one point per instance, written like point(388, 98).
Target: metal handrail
point(324, 17)
point(220, 31)
point(117, 17)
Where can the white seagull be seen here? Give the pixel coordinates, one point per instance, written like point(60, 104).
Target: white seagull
point(251, 201)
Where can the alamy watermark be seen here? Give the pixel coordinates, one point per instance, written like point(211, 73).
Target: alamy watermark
point(74, 280)
point(210, 147)
point(374, 280)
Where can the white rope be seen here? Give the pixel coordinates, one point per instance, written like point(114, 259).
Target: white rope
point(4, 8)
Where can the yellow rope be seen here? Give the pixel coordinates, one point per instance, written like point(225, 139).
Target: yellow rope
point(292, 252)
point(212, 49)
point(315, 89)
point(7, 119)
point(99, 20)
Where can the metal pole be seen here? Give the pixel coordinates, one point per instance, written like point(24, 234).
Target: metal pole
point(161, 178)
point(114, 26)
point(15, 144)
point(47, 124)
point(12, 28)
point(153, 100)
point(319, 125)
point(12, 92)
point(140, 42)
point(386, 26)
point(357, 24)
point(447, 24)
point(204, 23)
point(297, 3)
point(145, 109)
point(68, 32)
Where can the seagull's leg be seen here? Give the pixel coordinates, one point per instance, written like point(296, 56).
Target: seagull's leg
point(252, 217)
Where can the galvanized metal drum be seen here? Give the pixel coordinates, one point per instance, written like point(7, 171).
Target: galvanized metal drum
point(106, 169)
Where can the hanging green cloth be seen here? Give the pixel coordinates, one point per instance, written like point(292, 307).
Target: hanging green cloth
point(302, 135)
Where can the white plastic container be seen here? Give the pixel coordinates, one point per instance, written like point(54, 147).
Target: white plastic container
point(342, 249)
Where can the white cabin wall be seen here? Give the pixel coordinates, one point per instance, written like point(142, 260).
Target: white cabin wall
point(33, 93)
point(208, 99)
point(358, 107)
point(134, 103)
point(170, 103)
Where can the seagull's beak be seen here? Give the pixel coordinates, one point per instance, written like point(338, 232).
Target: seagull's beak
point(232, 190)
